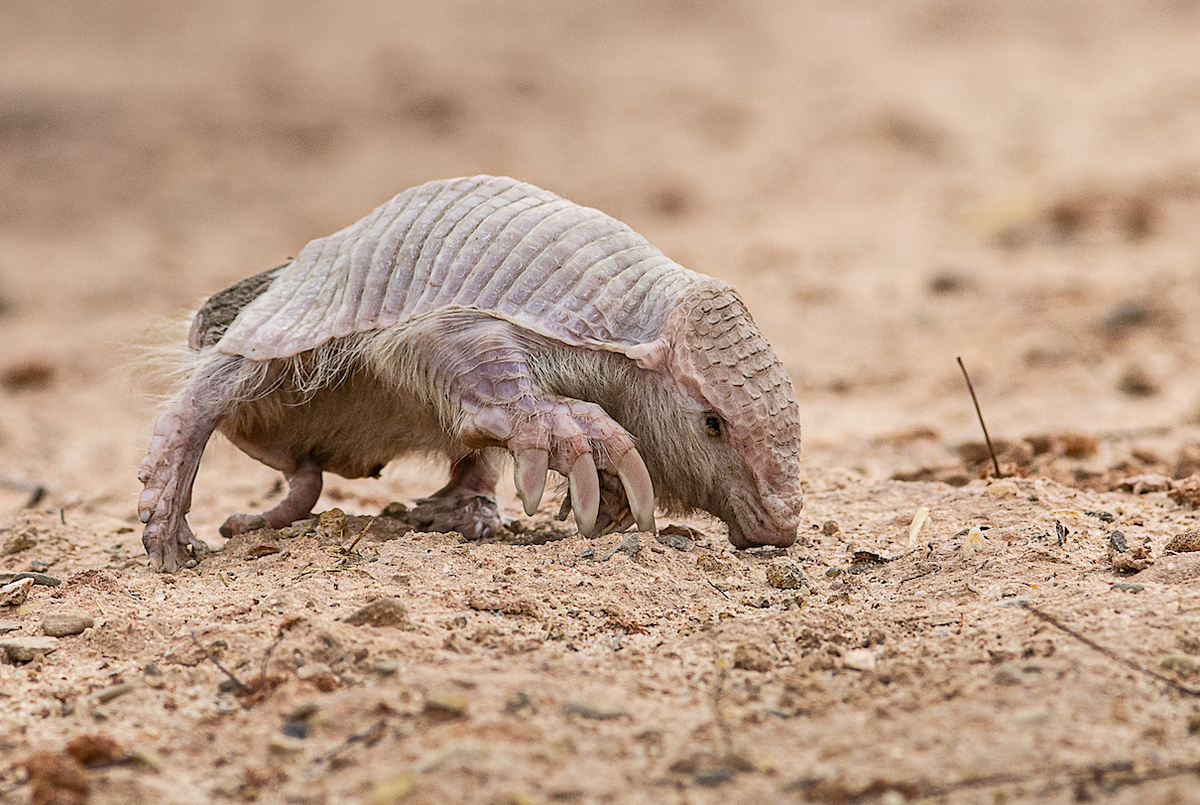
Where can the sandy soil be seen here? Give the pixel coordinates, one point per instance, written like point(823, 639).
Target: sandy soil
point(889, 185)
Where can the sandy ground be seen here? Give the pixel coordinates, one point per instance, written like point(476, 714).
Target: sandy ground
point(890, 185)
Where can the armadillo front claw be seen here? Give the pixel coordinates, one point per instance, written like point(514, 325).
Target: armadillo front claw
point(529, 475)
point(584, 485)
point(639, 489)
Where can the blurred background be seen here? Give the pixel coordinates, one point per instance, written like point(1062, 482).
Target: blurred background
point(890, 185)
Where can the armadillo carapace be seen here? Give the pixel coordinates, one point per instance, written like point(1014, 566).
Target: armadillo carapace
point(475, 318)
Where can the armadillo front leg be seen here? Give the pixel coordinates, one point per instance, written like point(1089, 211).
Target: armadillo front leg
point(483, 366)
point(467, 503)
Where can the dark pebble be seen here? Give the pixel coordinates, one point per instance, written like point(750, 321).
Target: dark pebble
point(295, 729)
point(676, 541)
point(713, 777)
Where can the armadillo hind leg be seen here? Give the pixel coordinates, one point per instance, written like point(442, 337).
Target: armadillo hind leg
point(168, 472)
point(482, 365)
point(304, 488)
point(467, 504)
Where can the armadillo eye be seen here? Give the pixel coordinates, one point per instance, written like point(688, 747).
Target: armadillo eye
point(712, 424)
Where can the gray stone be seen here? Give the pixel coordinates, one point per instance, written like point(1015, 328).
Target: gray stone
point(67, 622)
point(676, 541)
point(26, 649)
point(628, 546)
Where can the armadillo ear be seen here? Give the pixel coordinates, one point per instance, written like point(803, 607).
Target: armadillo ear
point(652, 355)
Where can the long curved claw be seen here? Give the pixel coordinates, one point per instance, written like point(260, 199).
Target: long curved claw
point(584, 485)
point(639, 489)
point(529, 475)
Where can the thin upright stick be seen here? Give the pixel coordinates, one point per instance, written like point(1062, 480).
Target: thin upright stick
point(979, 414)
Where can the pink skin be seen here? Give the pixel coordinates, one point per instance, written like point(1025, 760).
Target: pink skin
point(470, 316)
point(168, 473)
point(304, 488)
point(482, 378)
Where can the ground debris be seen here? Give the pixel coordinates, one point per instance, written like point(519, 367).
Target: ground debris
point(784, 574)
point(520, 607)
point(27, 649)
point(593, 709)
point(681, 538)
point(1186, 542)
point(1186, 492)
point(1125, 559)
point(444, 706)
point(835, 792)
point(57, 779)
point(1144, 484)
point(380, 612)
point(751, 657)
point(628, 546)
point(15, 593)
point(66, 623)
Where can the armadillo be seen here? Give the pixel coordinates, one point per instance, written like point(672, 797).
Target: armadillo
point(481, 318)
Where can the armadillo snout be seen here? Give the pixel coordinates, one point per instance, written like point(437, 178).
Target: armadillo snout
point(774, 521)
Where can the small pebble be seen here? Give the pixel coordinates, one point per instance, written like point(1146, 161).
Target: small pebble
point(752, 657)
point(107, 694)
point(1184, 543)
point(1007, 673)
point(14, 594)
point(66, 623)
point(711, 778)
point(628, 546)
point(972, 542)
point(302, 712)
point(1127, 587)
point(40, 579)
point(298, 528)
point(380, 612)
point(1137, 382)
point(599, 711)
point(395, 510)
point(331, 527)
point(321, 675)
point(391, 790)
point(295, 729)
point(517, 702)
point(829, 528)
point(1180, 664)
point(386, 667)
point(26, 649)
point(442, 706)
point(859, 659)
point(1116, 541)
point(784, 574)
point(285, 744)
point(1003, 489)
point(676, 541)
